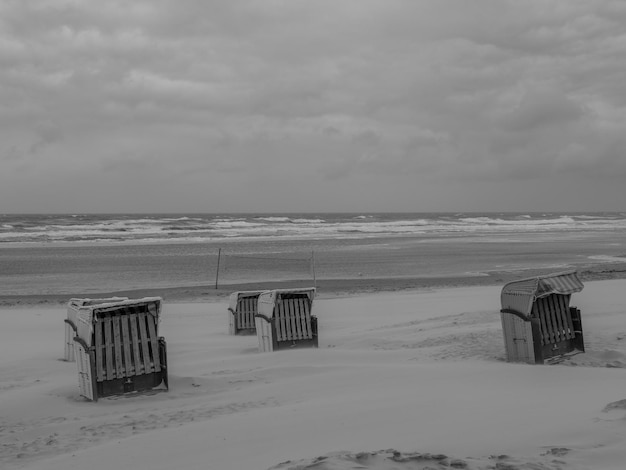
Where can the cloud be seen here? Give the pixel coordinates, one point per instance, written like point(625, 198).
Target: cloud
point(541, 109)
point(438, 92)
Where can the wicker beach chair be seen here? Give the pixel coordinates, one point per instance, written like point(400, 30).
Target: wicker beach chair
point(284, 319)
point(538, 322)
point(242, 308)
point(118, 349)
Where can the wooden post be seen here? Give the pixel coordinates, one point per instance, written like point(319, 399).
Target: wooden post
point(313, 267)
point(217, 271)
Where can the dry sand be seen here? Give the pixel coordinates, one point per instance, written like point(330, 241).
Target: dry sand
point(412, 379)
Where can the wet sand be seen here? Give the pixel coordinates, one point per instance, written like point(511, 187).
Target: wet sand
point(325, 287)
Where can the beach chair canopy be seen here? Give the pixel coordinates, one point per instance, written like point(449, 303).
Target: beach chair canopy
point(88, 314)
point(521, 294)
point(236, 297)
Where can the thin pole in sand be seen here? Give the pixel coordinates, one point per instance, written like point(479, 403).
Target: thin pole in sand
point(217, 271)
point(313, 267)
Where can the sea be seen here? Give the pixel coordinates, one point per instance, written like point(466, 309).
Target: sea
point(67, 253)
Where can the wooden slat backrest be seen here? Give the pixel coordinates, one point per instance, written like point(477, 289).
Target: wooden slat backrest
point(555, 318)
point(246, 309)
point(126, 343)
point(293, 319)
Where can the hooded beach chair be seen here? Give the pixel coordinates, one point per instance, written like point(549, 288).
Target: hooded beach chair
point(538, 322)
point(118, 349)
point(242, 308)
point(284, 319)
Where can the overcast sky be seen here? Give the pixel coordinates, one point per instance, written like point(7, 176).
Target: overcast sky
point(318, 105)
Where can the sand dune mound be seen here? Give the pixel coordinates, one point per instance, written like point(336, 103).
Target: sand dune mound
point(394, 460)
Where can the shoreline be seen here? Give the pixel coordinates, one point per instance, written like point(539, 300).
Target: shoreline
point(326, 288)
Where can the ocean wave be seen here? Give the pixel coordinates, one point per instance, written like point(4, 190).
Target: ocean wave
point(168, 228)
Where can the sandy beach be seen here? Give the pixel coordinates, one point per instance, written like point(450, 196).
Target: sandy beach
point(399, 163)
point(405, 379)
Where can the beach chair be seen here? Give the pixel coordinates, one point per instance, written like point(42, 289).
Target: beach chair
point(284, 319)
point(118, 349)
point(538, 322)
point(70, 322)
point(242, 308)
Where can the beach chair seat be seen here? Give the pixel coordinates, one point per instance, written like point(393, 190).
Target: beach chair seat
point(118, 349)
point(242, 308)
point(285, 319)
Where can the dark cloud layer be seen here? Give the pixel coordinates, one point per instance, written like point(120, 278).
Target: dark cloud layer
point(351, 105)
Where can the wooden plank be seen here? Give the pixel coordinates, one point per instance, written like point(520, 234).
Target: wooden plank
point(306, 319)
point(276, 320)
point(99, 344)
point(302, 318)
point(555, 319)
point(543, 326)
point(293, 307)
point(154, 340)
point(547, 313)
point(134, 333)
point(117, 339)
point(307, 316)
point(566, 316)
point(291, 315)
point(291, 323)
point(108, 347)
point(302, 308)
point(145, 347)
point(563, 310)
point(280, 321)
point(126, 346)
point(297, 315)
point(282, 312)
point(554, 307)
